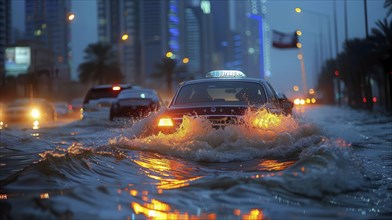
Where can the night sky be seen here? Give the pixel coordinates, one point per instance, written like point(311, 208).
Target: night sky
point(285, 67)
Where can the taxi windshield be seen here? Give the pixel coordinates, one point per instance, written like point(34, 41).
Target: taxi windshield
point(222, 93)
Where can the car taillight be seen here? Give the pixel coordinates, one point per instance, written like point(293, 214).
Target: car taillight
point(116, 88)
point(165, 122)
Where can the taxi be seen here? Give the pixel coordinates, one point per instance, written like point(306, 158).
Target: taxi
point(222, 97)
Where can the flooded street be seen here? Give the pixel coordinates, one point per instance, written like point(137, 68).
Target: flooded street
point(324, 163)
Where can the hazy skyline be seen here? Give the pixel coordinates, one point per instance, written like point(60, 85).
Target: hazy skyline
point(285, 67)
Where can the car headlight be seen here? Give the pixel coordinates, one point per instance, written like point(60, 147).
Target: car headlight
point(35, 113)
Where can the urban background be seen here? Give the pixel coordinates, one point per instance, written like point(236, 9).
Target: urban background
point(160, 43)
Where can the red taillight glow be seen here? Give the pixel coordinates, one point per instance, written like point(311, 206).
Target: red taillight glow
point(165, 122)
point(374, 99)
point(116, 88)
point(364, 100)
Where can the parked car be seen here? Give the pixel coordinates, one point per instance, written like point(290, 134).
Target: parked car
point(135, 103)
point(99, 99)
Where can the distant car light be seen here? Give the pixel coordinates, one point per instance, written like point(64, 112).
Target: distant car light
point(116, 88)
point(143, 96)
point(35, 113)
point(165, 122)
point(225, 74)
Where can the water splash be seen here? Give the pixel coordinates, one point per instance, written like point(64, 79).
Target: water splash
point(261, 134)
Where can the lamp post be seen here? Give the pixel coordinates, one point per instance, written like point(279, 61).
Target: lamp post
point(320, 15)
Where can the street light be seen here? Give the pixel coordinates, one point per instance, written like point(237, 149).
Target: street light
point(185, 60)
point(299, 10)
point(71, 16)
point(124, 37)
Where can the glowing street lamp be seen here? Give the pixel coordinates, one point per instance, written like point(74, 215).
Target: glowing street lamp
point(124, 37)
point(298, 10)
point(71, 16)
point(298, 32)
point(296, 88)
point(299, 45)
point(169, 54)
point(185, 60)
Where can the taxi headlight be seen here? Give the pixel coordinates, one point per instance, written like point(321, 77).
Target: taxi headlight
point(35, 113)
point(165, 122)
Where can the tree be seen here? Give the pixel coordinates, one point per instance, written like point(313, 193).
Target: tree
point(388, 6)
point(382, 44)
point(358, 64)
point(169, 69)
point(101, 65)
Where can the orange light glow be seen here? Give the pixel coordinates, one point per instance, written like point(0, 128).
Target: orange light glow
point(308, 100)
point(274, 165)
point(133, 192)
point(297, 101)
point(265, 119)
point(313, 100)
point(165, 122)
point(3, 196)
point(44, 196)
point(116, 88)
point(254, 214)
point(237, 212)
point(185, 60)
point(160, 210)
point(165, 171)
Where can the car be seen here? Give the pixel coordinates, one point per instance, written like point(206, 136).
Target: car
point(34, 111)
point(285, 103)
point(76, 104)
point(61, 108)
point(223, 97)
point(135, 103)
point(99, 99)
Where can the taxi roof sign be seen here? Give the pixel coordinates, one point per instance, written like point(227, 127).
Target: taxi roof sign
point(225, 74)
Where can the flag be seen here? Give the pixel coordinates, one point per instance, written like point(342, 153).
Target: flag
point(284, 40)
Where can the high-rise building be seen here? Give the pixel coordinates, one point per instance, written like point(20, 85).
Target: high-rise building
point(5, 33)
point(119, 25)
point(47, 22)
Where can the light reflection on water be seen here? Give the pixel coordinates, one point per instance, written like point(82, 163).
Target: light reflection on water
point(156, 209)
point(171, 174)
point(274, 165)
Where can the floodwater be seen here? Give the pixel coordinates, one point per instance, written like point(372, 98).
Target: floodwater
point(323, 163)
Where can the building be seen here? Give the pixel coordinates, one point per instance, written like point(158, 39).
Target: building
point(47, 22)
point(119, 25)
point(5, 36)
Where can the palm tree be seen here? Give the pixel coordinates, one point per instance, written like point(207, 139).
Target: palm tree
point(167, 68)
point(101, 65)
point(382, 44)
point(388, 6)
